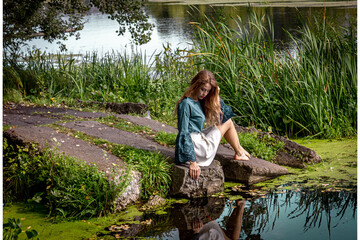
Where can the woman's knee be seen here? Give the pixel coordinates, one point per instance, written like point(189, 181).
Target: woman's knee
point(224, 127)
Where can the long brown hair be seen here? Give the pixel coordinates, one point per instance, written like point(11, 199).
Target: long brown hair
point(211, 103)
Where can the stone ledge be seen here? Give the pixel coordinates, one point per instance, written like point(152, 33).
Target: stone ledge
point(211, 181)
point(83, 151)
point(253, 171)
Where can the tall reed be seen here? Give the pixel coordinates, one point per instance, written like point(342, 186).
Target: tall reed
point(157, 80)
point(312, 94)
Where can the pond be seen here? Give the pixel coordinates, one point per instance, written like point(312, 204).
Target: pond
point(312, 214)
point(280, 214)
point(171, 26)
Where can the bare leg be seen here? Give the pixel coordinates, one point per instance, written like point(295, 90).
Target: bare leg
point(234, 223)
point(228, 131)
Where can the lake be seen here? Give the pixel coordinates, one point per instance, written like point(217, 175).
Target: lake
point(171, 26)
point(281, 214)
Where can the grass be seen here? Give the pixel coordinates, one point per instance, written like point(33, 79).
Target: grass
point(310, 94)
point(153, 166)
point(69, 188)
point(166, 139)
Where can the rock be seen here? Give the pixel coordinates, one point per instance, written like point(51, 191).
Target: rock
point(126, 108)
point(154, 202)
point(152, 124)
point(248, 172)
point(211, 181)
point(292, 155)
point(131, 193)
point(121, 108)
point(253, 171)
point(83, 151)
point(286, 159)
point(114, 135)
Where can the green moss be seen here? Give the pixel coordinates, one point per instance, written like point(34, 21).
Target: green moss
point(338, 170)
point(52, 228)
point(6, 127)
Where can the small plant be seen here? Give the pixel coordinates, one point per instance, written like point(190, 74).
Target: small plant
point(12, 230)
point(166, 139)
point(154, 167)
point(264, 148)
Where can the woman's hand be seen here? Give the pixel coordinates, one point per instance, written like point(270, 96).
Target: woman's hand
point(194, 170)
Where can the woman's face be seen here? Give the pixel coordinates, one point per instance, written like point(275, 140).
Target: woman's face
point(203, 91)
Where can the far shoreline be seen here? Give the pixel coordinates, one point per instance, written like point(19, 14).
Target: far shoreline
point(260, 3)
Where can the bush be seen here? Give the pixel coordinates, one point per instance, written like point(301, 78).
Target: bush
point(67, 187)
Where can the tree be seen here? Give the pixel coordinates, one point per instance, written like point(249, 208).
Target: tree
point(58, 19)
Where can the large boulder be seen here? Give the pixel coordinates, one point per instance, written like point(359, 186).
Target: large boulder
point(211, 181)
point(121, 108)
point(249, 172)
point(126, 108)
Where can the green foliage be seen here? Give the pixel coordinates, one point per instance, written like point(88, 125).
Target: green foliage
point(12, 230)
point(167, 139)
point(312, 94)
point(154, 167)
point(54, 20)
point(265, 147)
point(68, 187)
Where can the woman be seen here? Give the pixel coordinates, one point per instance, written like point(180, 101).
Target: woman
point(194, 145)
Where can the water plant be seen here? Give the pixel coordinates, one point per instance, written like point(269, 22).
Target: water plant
point(312, 93)
point(308, 91)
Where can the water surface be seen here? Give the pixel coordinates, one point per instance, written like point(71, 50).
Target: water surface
point(171, 27)
point(280, 214)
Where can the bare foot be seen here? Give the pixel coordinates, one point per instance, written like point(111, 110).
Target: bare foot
point(242, 157)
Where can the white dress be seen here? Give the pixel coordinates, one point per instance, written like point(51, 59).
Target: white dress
point(205, 145)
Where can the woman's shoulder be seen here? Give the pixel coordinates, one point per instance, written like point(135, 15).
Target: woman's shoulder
point(186, 101)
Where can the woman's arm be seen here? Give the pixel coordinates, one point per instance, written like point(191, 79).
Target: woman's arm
point(184, 149)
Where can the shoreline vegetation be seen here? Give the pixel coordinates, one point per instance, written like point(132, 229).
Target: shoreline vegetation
point(309, 92)
point(261, 3)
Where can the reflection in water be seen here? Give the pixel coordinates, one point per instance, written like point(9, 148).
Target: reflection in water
point(197, 219)
point(302, 214)
point(171, 26)
point(315, 214)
